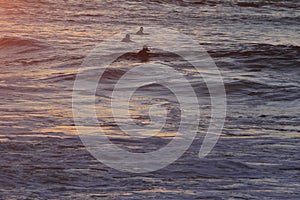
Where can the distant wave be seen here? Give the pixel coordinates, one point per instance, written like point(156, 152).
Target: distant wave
point(60, 78)
point(246, 86)
point(247, 49)
point(260, 3)
point(263, 90)
point(21, 44)
point(239, 3)
point(260, 56)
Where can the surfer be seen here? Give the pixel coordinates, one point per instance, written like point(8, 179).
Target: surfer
point(141, 31)
point(143, 54)
point(127, 38)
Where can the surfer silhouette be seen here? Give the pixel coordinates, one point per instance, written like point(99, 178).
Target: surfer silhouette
point(143, 54)
point(141, 31)
point(127, 38)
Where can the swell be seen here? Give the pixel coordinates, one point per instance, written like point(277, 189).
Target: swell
point(59, 78)
point(261, 3)
point(233, 3)
point(260, 56)
point(21, 45)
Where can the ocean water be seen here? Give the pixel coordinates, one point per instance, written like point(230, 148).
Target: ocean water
point(256, 46)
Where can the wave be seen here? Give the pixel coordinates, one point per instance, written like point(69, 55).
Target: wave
point(245, 86)
point(263, 90)
point(60, 78)
point(238, 3)
point(258, 56)
point(250, 49)
point(21, 45)
point(261, 3)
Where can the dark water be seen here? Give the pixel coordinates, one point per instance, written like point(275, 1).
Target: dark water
point(255, 44)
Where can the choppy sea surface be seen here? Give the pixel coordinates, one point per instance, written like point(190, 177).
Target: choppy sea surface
point(256, 46)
